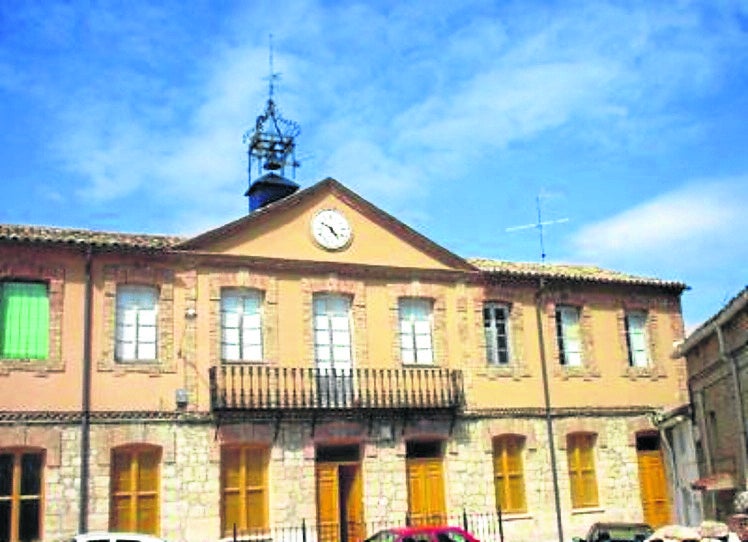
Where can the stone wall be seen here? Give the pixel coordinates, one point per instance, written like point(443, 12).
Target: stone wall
point(190, 477)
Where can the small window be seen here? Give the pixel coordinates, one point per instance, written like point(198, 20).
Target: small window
point(582, 478)
point(137, 322)
point(24, 320)
point(568, 335)
point(496, 327)
point(416, 345)
point(636, 338)
point(241, 325)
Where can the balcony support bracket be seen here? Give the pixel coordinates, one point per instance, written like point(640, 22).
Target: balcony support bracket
point(453, 421)
point(278, 419)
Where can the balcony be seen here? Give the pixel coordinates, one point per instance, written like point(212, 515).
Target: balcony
point(242, 387)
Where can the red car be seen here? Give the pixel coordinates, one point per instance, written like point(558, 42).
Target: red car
point(423, 534)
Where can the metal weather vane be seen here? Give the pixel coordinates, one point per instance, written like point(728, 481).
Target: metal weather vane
point(272, 141)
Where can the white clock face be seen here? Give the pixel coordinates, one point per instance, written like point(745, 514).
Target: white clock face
point(330, 228)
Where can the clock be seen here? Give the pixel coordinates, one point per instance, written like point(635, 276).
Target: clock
point(331, 229)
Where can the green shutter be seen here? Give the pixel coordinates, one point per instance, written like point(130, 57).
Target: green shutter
point(24, 320)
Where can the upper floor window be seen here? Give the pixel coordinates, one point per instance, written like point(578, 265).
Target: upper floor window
point(135, 484)
point(21, 495)
point(508, 468)
point(416, 343)
point(496, 327)
point(24, 320)
point(241, 325)
point(582, 477)
point(332, 330)
point(136, 334)
point(569, 336)
point(636, 338)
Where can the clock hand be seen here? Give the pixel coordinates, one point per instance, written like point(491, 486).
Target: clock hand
point(332, 230)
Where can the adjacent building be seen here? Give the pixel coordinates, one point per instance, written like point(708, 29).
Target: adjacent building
point(717, 360)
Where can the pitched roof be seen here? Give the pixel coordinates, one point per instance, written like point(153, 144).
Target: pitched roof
point(585, 273)
point(69, 236)
point(350, 197)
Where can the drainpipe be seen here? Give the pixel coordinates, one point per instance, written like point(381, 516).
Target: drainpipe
point(547, 407)
point(85, 449)
point(732, 361)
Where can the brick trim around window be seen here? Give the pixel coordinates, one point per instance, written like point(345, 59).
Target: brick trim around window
point(517, 368)
point(54, 275)
point(161, 279)
point(656, 369)
point(589, 369)
point(334, 285)
point(417, 290)
point(268, 286)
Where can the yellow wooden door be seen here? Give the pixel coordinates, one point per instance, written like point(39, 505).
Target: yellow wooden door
point(653, 488)
point(328, 509)
point(354, 504)
point(426, 491)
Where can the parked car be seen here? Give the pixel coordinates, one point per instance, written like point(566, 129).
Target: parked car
point(423, 534)
point(103, 536)
point(616, 532)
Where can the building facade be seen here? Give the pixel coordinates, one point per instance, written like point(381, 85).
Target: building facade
point(717, 361)
point(319, 369)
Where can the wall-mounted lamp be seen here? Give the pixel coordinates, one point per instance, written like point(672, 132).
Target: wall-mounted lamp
point(190, 312)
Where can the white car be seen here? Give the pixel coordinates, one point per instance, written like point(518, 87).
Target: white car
point(103, 536)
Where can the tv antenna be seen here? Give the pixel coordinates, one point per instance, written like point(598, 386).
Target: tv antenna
point(539, 225)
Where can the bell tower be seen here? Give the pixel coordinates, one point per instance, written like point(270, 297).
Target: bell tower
point(271, 148)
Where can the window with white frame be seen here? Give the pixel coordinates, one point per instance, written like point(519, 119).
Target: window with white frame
point(241, 325)
point(416, 343)
point(636, 338)
point(332, 331)
point(569, 335)
point(137, 319)
point(496, 327)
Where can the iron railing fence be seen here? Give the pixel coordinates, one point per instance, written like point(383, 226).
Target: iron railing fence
point(486, 527)
point(238, 386)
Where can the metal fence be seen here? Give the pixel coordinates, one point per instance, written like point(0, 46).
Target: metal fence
point(487, 527)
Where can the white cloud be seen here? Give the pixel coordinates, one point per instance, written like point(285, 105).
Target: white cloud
point(696, 226)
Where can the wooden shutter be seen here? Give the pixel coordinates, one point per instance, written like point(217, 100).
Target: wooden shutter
point(24, 320)
point(653, 488)
point(582, 477)
point(354, 506)
point(425, 491)
point(244, 489)
point(509, 474)
point(328, 511)
point(135, 490)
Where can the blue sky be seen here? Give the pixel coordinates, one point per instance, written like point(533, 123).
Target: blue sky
point(627, 118)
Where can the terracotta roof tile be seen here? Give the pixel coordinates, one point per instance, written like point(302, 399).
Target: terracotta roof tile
point(67, 236)
point(589, 273)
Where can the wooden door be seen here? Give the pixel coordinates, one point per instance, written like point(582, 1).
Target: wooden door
point(653, 488)
point(340, 511)
point(328, 502)
point(352, 489)
point(426, 491)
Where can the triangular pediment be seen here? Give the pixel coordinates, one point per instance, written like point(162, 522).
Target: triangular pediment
point(285, 230)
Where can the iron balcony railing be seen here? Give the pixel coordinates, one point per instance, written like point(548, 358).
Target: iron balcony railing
point(253, 387)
